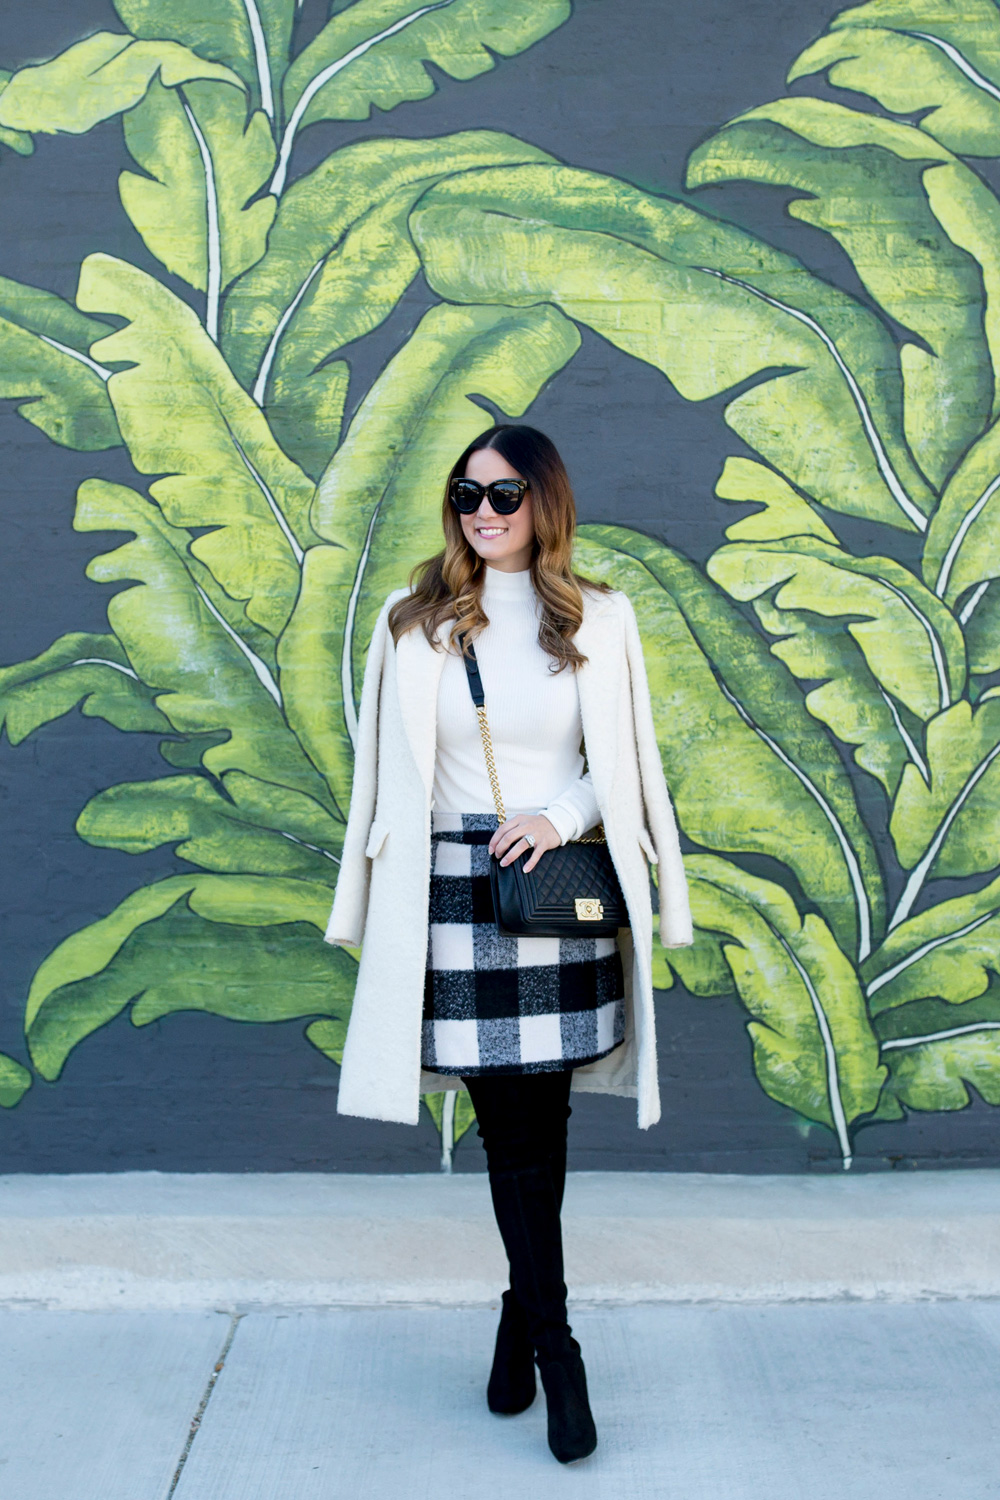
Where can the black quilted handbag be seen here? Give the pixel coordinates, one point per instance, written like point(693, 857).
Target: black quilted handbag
point(573, 891)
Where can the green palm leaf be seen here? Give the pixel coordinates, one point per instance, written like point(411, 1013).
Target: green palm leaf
point(701, 969)
point(204, 672)
point(328, 1037)
point(379, 502)
point(750, 771)
point(903, 220)
point(658, 278)
point(236, 825)
point(80, 669)
point(948, 952)
point(930, 58)
point(846, 695)
point(204, 163)
point(375, 51)
point(910, 640)
point(814, 1048)
point(463, 1118)
point(951, 826)
point(45, 363)
point(15, 1081)
point(18, 140)
point(782, 511)
point(339, 258)
point(184, 416)
point(962, 550)
point(95, 79)
point(189, 943)
point(250, 36)
point(980, 618)
point(931, 1071)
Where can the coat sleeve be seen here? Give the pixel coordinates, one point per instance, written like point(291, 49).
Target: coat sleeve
point(350, 903)
point(675, 911)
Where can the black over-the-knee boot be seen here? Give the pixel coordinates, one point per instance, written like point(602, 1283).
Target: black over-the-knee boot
point(522, 1120)
point(511, 1387)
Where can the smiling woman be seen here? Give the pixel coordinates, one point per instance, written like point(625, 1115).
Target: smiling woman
point(455, 991)
point(501, 527)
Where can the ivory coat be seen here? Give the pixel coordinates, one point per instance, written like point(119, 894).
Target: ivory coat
point(382, 897)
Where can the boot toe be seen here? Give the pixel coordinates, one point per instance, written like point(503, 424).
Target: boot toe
point(571, 1431)
point(510, 1402)
point(511, 1388)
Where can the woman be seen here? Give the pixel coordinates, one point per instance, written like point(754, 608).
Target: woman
point(443, 998)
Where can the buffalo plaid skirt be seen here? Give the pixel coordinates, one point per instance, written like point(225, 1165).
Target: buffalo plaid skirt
point(494, 1003)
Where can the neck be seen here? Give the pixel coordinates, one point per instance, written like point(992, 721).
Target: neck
point(515, 562)
point(507, 582)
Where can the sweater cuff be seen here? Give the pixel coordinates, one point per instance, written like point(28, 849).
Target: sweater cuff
point(574, 810)
point(563, 821)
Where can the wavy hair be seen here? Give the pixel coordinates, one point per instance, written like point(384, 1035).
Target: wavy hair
point(449, 585)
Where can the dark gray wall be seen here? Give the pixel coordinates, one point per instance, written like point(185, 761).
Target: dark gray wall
point(626, 88)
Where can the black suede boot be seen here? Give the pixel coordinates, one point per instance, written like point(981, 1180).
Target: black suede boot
point(572, 1434)
point(511, 1387)
point(527, 1213)
point(522, 1121)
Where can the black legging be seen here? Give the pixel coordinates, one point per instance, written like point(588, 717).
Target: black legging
point(522, 1121)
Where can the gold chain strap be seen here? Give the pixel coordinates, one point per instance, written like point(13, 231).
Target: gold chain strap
point(595, 836)
point(491, 765)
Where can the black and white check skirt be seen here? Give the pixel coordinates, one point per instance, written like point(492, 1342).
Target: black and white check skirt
point(494, 1003)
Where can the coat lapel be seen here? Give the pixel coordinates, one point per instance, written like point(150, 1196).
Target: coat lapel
point(418, 673)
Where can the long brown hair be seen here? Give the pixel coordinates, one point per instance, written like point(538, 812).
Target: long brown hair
point(449, 586)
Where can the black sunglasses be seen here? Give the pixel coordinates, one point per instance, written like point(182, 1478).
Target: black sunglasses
point(505, 495)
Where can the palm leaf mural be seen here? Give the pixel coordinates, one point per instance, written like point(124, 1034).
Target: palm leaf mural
point(45, 362)
point(252, 37)
point(918, 57)
point(98, 78)
point(814, 1046)
point(373, 53)
point(196, 207)
point(740, 749)
point(919, 257)
point(808, 692)
point(657, 278)
point(339, 257)
point(223, 639)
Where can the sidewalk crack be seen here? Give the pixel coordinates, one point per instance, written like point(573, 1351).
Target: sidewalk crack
point(205, 1399)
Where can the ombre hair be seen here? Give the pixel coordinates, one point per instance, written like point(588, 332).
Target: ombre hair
point(449, 586)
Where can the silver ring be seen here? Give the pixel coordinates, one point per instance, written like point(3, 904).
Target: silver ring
point(529, 839)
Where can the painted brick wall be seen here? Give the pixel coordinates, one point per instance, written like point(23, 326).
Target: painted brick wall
point(846, 363)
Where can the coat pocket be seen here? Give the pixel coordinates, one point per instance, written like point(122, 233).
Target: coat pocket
point(648, 847)
point(376, 838)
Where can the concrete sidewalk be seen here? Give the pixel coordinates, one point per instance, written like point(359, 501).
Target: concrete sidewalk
point(804, 1401)
point(158, 1240)
point(235, 1338)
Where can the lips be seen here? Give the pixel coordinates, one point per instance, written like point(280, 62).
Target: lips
point(489, 532)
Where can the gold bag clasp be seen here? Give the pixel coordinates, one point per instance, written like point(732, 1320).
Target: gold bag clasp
point(588, 909)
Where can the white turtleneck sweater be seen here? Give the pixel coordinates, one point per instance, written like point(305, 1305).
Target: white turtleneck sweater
point(534, 718)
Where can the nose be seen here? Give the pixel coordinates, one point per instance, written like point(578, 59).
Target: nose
point(486, 511)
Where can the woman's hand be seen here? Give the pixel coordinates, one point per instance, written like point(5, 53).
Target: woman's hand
point(510, 842)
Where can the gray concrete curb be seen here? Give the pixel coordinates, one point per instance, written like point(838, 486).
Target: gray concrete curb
point(140, 1240)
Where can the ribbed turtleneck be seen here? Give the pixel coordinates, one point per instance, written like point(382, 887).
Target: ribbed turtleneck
point(534, 717)
point(499, 585)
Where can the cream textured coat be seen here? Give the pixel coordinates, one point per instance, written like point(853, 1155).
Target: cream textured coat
point(383, 888)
